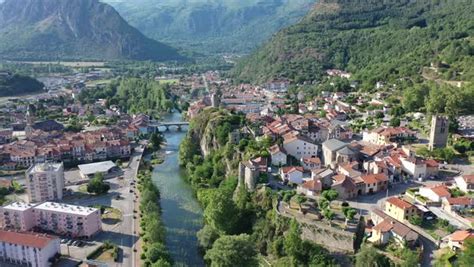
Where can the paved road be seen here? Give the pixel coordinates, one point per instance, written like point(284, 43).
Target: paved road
point(123, 233)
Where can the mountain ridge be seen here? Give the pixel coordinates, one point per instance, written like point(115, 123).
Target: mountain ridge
point(376, 40)
point(73, 29)
point(212, 26)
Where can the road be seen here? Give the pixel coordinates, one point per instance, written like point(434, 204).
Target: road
point(452, 220)
point(122, 234)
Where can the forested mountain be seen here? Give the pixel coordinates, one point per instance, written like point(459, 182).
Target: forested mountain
point(375, 40)
point(13, 84)
point(210, 26)
point(72, 29)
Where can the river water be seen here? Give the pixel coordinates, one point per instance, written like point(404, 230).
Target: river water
point(181, 213)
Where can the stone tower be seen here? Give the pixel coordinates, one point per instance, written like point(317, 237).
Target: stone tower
point(439, 132)
point(29, 123)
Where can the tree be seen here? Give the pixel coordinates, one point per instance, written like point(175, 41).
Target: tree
point(299, 199)
point(349, 213)
point(293, 243)
point(416, 220)
point(379, 115)
point(230, 251)
point(207, 236)
point(221, 212)
point(323, 204)
point(156, 251)
point(330, 194)
point(466, 256)
point(395, 122)
point(328, 214)
point(97, 185)
point(156, 139)
point(410, 258)
point(369, 257)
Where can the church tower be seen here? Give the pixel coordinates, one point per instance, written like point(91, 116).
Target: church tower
point(29, 123)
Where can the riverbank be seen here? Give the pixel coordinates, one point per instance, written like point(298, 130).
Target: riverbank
point(181, 213)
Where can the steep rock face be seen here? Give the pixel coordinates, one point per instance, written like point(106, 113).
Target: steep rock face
point(376, 40)
point(73, 29)
point(211, 26)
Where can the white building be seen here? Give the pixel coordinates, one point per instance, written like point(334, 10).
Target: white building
point(465, 182)
point(294, 175)
point(300, 147)
point(278, 155)
point(18, 216)
point(106, 168)
point(28, 249)
point(414, 167)
point(68, 220)
point(435, 193)
point(45, 182)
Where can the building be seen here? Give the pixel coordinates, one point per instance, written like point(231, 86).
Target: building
point(375, 183)
point(435, 193)
point(455, 241)
point(454, 205)
point(28, 249)
point(345, 187)
point(68, 220)
point(400, 209)
point(413, 167)
point(390, 229)
point(388, 135)
point(311, 163)
point(300, 147)
point(293, 175)
point(439, 132)
point(278, 155)
point(248, 174)
point(330, 148)
point(465, 183)
point(106, 168)
point(18, 216)
point(310, 188)
point(45, 181)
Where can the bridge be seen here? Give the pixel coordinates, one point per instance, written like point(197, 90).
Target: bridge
point(178, 124)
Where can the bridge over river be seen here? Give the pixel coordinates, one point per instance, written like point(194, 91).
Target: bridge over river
point(168, 125)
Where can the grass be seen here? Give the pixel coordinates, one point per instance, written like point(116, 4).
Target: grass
point(110, 215)
point(83, 188)
point(169, 81)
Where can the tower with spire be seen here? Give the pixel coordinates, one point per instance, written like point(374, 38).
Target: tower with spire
point(29, 123)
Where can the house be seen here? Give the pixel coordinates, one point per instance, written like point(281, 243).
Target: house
point(310, 163)
point(456, 240)
point(389, 229)
point(432, 168)
point(344, 186)
point(465, 182)
point(375, 182)
point(457, 204)
point(413, 167)
point(299, 146)
point(435, 193)
point(330, 148)
point(278, 155)
point(324, 174)
point(400, 209)
point(310, 188)
point(387, 135)
point(292, 174)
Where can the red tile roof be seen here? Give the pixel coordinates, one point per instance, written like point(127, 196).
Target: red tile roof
point(460, 201)
point(441, 191)
point(26, 239)
point(399, 203)
point(374, 178)
point(461, 235)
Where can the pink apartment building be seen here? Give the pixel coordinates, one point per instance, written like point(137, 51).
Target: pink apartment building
point(62, 219)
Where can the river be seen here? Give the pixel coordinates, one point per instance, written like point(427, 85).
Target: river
point(181, 213)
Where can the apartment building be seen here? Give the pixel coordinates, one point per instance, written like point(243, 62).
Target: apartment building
point(44, 182)
point(18, 216)
point(27, 249)
point(68, 220)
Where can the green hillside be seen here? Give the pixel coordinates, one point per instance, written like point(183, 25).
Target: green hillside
point(212, 26)
point(375, 40)
point(13, 85)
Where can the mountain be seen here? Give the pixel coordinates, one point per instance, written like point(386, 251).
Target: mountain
point(14, 84)
point(73, 29)
point(375, 40)
point(212, 26)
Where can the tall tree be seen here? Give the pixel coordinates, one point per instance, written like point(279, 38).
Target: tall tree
point(231, 251)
